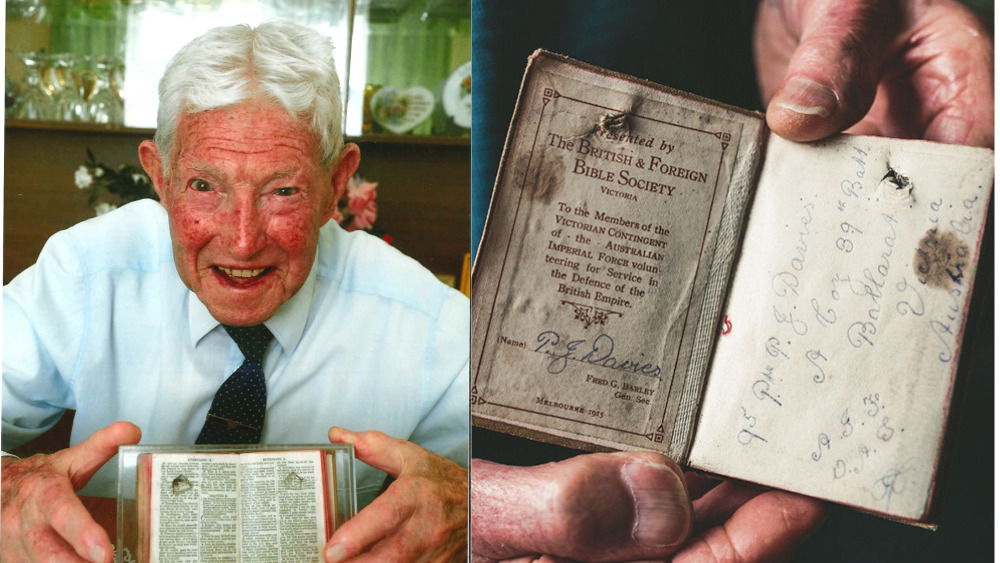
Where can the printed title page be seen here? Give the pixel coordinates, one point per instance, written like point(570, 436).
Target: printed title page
point(610, 237)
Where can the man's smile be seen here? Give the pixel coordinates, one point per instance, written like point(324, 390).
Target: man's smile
point(242, 277)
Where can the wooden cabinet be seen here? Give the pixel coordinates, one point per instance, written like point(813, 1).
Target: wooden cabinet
point(423, 192)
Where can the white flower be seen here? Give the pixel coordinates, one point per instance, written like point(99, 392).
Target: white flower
point(138, 178)
point(83, 178)
point(98, 172)
point(103, 207)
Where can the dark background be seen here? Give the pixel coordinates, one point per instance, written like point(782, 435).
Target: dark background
point(704, 48)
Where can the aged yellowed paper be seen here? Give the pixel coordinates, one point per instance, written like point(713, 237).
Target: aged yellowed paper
point(611, 236)
point(845, 318)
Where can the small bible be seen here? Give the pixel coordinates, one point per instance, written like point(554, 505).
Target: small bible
point(660, 272)
point(253, 506)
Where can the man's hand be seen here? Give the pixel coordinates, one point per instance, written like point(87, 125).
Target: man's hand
point(42, 518)
point(628, 506)
point(421, 516)
point(899, 68)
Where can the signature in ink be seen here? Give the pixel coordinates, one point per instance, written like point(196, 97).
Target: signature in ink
point(598, 352)
point(891, 483)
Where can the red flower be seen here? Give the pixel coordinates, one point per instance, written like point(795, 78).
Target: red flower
point(361, 203)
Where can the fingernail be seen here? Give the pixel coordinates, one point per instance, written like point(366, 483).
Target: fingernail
point(807, 97)
point(951, 129)
point(663, 515)
point(335, 553)
point(97, 554)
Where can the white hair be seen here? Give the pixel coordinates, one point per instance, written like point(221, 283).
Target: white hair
point(279, 61)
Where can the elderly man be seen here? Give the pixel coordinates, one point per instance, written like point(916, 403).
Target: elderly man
point(143, 314)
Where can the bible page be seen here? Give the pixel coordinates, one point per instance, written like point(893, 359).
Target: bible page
point(282, 506)
point(193, 508)
point(835, 369)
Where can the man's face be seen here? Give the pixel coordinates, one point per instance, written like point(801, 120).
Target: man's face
point(246, 196)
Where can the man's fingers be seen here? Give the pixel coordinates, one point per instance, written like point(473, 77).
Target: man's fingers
point(372, 524)
point(40, 503)
point(540, 559)
point(718, 504)
point(423, 512)
point(378, 450)
point(81, 461)
point(595, 507)
point(43, 544)
point(834, 71)
point(949, 71)
point(68, 518)
point(766, 528)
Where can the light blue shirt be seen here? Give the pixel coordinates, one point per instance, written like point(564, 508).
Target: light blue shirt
point(103, 324)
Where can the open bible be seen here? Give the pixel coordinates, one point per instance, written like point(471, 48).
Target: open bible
point(660, 272)
point(257, 506)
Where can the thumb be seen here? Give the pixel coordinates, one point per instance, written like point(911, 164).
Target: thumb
point(624, 506)
point(81, 461)
point(834, 71)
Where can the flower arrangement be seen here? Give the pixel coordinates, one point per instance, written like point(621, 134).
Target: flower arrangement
point(122, 185)
point(356, 209)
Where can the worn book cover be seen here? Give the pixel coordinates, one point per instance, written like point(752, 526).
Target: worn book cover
point(659, 272)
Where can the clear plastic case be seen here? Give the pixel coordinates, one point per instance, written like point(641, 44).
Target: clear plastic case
point(136, 469)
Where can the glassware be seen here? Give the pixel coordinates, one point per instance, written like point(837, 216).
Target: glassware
point(409, 48)
point(70, 105)
point(86, 80)
point(25, 9)
point(118, 84)
point(33, 102)
point(103, 106)
point(50, 77)
point(10, 95)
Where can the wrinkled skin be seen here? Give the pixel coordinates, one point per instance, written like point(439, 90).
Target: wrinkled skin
point(586, 509)
point(246, 194)
point(912, 69)
point(421, 516)
point(909, 69)
point(42, 518)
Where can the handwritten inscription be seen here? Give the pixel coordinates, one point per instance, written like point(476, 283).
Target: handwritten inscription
point(861, 299)
point(893, 482)
point(848, 275)
point(746, 436)
point(941, 259)
point(598, 351)
point(848, 445)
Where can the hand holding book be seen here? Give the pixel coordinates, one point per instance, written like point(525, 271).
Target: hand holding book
point(422, 514)
point(42, 514)
point(628, 506)
point(797, 40)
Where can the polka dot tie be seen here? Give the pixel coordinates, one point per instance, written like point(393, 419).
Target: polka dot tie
point(237, 412)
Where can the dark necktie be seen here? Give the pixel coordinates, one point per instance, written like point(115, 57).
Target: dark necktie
point(237, 412)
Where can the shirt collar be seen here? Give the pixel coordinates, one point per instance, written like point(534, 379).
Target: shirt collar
point(287, 324)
